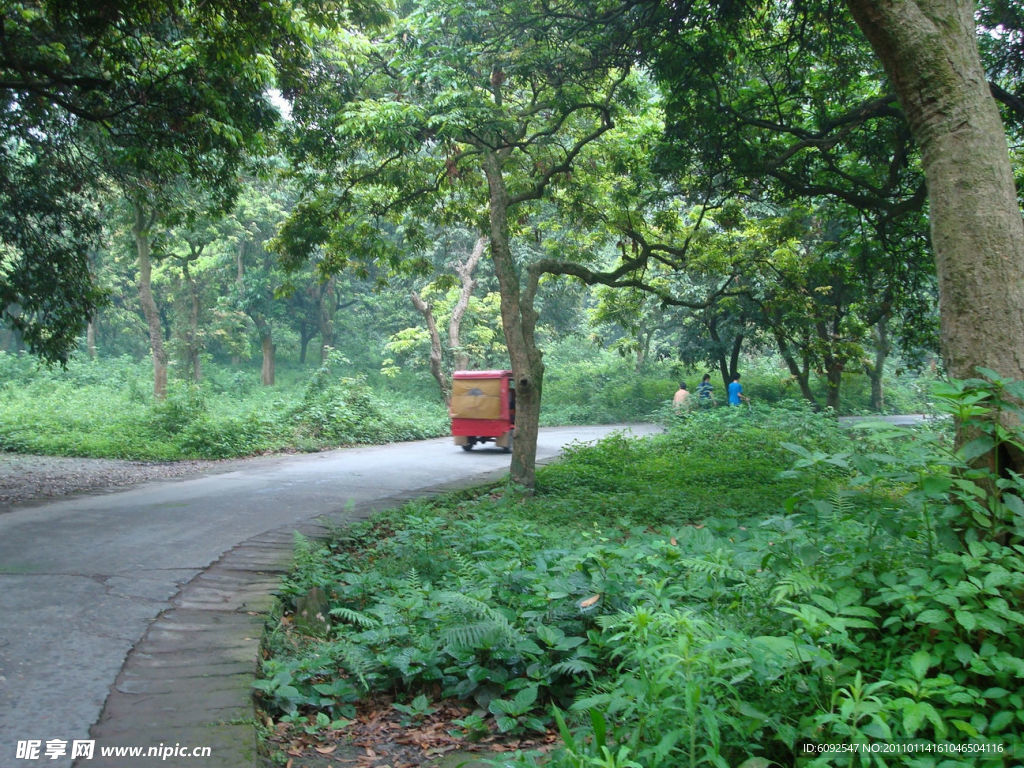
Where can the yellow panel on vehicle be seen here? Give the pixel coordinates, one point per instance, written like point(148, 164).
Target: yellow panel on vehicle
point(476, 398)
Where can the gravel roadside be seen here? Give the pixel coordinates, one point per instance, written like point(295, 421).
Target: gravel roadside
point(25, 478)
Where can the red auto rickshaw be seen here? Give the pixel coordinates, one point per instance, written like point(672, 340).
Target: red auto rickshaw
point(483, 408)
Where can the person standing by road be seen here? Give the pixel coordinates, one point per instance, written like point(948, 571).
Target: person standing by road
point(706, 392)
point(736, 395)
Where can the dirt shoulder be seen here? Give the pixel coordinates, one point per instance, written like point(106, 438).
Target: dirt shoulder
point(26, 479)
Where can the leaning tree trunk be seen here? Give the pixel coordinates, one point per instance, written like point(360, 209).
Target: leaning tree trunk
point(436, 352)
point(143, 247)
point(801, 375)
point(468, 284)
point(930, 51)
point(519, 320)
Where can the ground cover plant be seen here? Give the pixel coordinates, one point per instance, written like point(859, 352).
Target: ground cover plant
point(105, 409)
point(754, 587)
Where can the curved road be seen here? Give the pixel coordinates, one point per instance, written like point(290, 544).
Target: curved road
point(81, 579)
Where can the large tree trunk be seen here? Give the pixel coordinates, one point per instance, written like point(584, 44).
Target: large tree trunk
point(929, 49)
point(519, 320)
point(140, 230)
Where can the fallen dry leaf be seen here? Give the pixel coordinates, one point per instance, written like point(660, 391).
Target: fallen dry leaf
point(589, 601)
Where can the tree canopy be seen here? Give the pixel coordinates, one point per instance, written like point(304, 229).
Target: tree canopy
point(142, 86)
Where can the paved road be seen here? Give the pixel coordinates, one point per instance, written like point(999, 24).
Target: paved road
point(83, 578)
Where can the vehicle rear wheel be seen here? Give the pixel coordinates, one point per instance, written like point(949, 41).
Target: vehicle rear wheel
point(467, 446)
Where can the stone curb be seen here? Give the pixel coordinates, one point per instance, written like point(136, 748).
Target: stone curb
point(188, 682)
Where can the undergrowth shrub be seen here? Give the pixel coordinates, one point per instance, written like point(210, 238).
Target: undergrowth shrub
point(511, 602)
point(105, 408)
point(340, 410)
point(755, 587)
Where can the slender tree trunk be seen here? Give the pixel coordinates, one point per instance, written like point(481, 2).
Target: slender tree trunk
point(90, 338)
point(436, 353)
point(267, 370)
point(236, 359)
point(833, 382)
point(876, 370)
point(802, 376)
point(929, 49)
point(734, 357)
point(326, 315)
point(192, 346)
point(465, 272)
point(304, 340)
point(140, 230)
point(729, 366)
point(269, 348)
point(519, 319)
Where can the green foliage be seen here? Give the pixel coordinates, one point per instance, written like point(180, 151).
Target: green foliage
point(106, 409)
point(827, 587)
point(602, 387)
point(512, 603)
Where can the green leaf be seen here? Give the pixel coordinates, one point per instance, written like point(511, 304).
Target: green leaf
point(915, 713)
point(933, 616)
point(979, 446)
point(964, 653)
point(966, 620)
point(525, 698)
point(920, 663)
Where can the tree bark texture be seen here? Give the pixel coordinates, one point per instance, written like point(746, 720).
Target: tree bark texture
point(140, 230)
point(929, 50)
point(519, 320)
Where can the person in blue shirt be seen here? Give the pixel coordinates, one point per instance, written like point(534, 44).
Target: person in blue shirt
point(706, 392)
point(736, 391)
